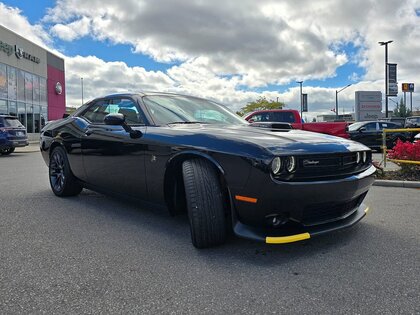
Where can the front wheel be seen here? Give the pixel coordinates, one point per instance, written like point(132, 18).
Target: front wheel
point(7, 151)
point(204, 203)
point(62, 181)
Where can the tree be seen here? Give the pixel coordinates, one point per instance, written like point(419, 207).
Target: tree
point(401, 110)
point(260, 104)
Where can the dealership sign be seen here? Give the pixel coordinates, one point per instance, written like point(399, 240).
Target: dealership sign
point(392, 79)
point(19, 52)
point(407, 87)
point(368, 105)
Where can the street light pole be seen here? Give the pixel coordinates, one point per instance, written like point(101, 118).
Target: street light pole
point(301, 98)
point(81, 79)
point(386, 74)
point(336, 100)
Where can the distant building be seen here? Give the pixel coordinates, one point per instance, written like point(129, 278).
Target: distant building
point(342, 117)
point(32, 84)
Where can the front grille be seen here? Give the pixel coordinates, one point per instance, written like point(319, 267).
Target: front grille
point(329, 212)
point(329, 166)
point(16, 134)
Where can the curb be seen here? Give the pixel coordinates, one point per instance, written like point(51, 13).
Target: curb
point(396, 183)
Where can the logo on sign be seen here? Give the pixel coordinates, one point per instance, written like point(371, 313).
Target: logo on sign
point(58, 88)
point(408, 87)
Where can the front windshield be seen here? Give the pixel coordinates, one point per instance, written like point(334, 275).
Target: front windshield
point(356, 126)
point(12, 122)
point(176, 109)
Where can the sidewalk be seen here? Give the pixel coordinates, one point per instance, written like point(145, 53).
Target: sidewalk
point(390, 166)
point(32, 147)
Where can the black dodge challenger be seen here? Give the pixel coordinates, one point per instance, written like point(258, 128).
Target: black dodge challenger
point(190, 154)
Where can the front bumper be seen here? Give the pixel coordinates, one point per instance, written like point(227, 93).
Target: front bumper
point(309, 208)
point(283, 236)
point(8, 143)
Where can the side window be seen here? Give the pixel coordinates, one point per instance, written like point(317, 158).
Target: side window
point(255, 118)
point(370, 127)
point(96, 112)
point(128, 108)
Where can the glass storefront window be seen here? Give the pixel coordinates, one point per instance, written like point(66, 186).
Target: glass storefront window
point(21, 113)
point(37, 118)
point(12, 86)
point(28, 88)
point(3, 107)
point(24, 95)
point(20, 85)
point(3, 81)
point(44, 115)
point(29, 118)
point(12, 108)
point(36, 89)
point(43, 91)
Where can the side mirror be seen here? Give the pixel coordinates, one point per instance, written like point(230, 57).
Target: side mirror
point(114, 119)
point(117, 119)
point(362, 129)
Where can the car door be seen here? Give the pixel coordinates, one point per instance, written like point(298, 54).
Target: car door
point(112, 159)
point(366, 134)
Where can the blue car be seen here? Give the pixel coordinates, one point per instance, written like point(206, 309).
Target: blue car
point(12, 134)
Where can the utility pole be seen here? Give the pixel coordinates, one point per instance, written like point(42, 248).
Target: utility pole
point(336, 100)
point(386, 74)
point(81, 79)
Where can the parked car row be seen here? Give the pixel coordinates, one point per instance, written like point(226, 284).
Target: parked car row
point(370, 133)
point(408, 122)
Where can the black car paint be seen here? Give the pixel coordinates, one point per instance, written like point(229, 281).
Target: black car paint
point(105, 158)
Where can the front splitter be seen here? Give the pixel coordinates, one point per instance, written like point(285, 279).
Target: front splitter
point(289, 236)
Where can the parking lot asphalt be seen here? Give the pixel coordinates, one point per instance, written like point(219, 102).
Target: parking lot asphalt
point(97, 254)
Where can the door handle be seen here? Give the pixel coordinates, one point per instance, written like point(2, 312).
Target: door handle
point(88, 132)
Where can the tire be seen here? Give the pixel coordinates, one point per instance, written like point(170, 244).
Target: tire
point(7, 151)
point(62, 181)
point(204, 203)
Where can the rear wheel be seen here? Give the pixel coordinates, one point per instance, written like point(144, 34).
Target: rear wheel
point(62, 181)
point(7, 151)
point(204, 203)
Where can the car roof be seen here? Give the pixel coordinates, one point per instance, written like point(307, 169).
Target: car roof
point(148, 93)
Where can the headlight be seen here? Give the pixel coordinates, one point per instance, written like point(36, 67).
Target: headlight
point(276, 165)
point(358, 157)
point(364, 156)
point(291, 164)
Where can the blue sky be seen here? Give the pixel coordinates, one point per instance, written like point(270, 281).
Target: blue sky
point(330, 50)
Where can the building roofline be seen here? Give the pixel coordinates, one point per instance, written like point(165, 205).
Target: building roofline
point(25, 39)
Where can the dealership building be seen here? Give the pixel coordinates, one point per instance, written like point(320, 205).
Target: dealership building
point(32, 84)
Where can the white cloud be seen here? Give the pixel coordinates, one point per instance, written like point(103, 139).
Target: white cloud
point(13, 19)
point(72, 30)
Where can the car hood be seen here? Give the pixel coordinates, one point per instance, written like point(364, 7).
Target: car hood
point(276, 141)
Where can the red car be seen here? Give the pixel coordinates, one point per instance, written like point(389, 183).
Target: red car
point(292, 117)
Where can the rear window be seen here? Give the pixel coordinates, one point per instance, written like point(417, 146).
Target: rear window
point(274, 116)
point(10, 122)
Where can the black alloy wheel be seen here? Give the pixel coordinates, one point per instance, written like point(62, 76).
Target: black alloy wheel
point(205, 202)
point(62, 181)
